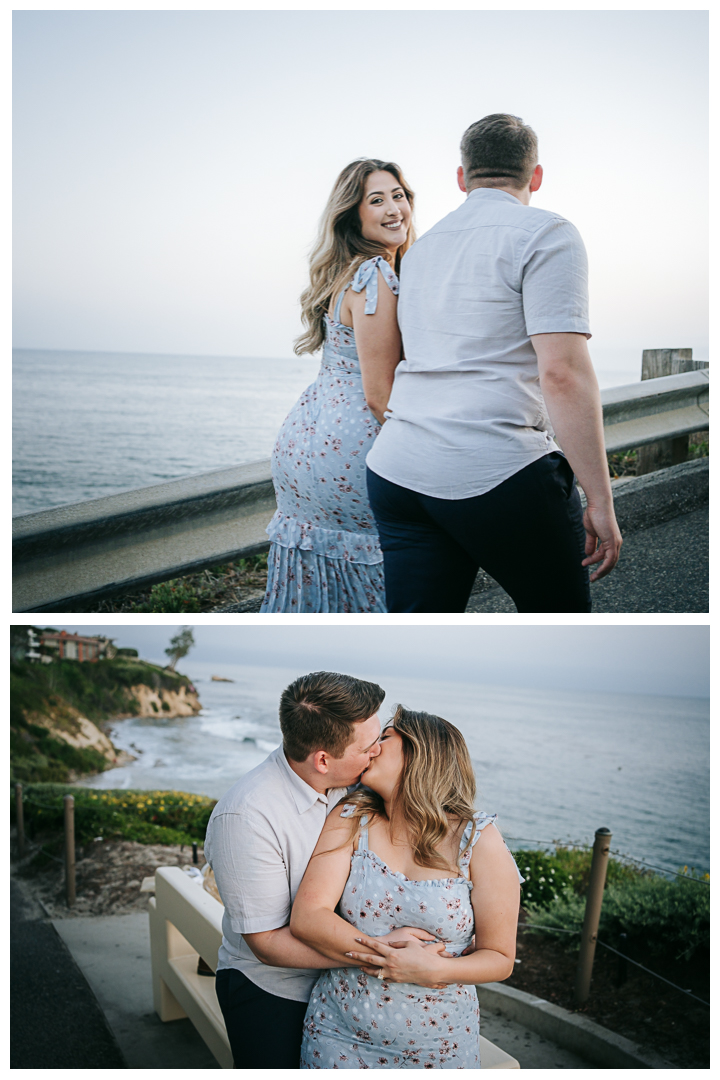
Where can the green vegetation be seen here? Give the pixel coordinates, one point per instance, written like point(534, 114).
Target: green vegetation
point(664, 918)
point(148, 817)
point(204, 591)
point(59, 691)
point(547, 874)
point(180, 646)
point(624, 463)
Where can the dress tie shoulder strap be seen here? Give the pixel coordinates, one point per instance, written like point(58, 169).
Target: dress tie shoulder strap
point(366, 277)
point(348, 810)
point(481, 821)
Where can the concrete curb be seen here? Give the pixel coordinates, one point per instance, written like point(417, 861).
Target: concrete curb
point(644, 501)
point(583, 1037)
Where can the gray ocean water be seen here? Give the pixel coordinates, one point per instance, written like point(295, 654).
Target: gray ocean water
point(88, 424)
point(554, 765)
point(92, 424)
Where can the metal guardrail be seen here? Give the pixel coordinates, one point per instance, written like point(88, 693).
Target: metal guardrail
point(664, 408)
point(72, 556)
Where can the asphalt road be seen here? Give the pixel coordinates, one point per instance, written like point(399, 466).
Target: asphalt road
point(56, 1022)
point(661, 569)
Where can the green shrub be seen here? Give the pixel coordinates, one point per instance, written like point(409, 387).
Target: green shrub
point(148, 817)
point(545, 878)
point(660, 916)
point(175, 595)
point(570, 865)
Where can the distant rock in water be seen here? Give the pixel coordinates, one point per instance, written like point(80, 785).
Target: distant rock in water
point(219, 678)
point(249, 739)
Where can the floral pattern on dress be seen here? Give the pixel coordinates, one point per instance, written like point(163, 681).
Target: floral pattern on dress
point(355, 1021)
point(325, 553)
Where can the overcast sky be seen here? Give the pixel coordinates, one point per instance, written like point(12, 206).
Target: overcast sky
point(665, 660)
point(171, 166)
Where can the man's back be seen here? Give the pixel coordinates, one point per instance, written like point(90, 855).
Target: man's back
point(466, 410)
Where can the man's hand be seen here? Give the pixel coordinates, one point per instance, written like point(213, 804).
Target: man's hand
point(402, 962)
point(402, 934)
point(602, 540)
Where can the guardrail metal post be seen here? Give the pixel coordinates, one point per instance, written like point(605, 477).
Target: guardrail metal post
point(69, 808)
point(593, 906)
point(655, 364)
point(19, 820)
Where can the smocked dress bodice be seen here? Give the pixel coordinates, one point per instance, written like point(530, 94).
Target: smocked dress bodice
point(325, 553)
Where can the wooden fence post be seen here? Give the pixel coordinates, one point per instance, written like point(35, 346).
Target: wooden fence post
point(19, 819)
point(593, 906)
point(656, 363)
point(69, 808)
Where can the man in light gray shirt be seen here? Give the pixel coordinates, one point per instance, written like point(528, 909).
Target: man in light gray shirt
point(466, 472)
point(260, 838)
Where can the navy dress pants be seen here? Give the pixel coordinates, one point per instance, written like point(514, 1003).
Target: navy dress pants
point(527, 533)
point(265, 1031)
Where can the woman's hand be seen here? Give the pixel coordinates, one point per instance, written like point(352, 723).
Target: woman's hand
point(408, 961)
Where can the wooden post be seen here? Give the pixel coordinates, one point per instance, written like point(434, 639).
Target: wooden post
point(593, 906)
point(19, 819)
point(69, 807)
point(656, 363)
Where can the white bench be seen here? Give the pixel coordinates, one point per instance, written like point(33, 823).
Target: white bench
point(186, 922)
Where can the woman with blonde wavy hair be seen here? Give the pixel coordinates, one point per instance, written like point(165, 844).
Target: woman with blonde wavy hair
point(408, 849)
point(325, 554)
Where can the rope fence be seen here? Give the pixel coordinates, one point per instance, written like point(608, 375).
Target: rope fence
point(564, 930)
point(618, 854)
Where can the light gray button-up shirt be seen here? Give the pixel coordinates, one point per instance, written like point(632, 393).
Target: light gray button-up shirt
point(466, 410)
point(259, 840)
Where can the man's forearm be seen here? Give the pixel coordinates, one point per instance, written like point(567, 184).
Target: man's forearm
point(573, 402)
point(323, 929)
point(278, 948)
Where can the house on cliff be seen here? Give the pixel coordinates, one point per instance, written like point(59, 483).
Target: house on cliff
point(64, 646)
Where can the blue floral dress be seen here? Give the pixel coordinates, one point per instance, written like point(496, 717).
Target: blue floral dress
point(355, 1021)
point(325, 554)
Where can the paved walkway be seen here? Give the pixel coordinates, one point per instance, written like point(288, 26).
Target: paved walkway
point(56, 1022)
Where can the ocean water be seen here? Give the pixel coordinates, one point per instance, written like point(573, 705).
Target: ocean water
point(92, 424)
point(89, 424)
point(554, 765)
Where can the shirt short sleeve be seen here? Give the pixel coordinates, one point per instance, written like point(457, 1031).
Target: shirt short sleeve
point(250, 872)
point(554, 275)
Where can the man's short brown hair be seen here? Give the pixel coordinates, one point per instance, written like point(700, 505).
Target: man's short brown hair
point(499, 151)
point(318, 712)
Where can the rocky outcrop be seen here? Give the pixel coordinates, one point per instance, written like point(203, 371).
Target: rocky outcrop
point(168, 703)
point(78, 731)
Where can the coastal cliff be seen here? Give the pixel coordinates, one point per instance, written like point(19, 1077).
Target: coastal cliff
point(58, 711)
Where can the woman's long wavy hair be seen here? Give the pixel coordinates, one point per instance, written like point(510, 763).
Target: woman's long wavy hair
point(437, 782)
point(341, 246)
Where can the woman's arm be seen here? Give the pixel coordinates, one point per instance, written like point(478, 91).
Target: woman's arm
point(495, 901)
point(378, 343)
point(313, 919)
